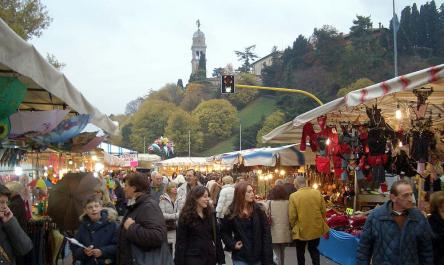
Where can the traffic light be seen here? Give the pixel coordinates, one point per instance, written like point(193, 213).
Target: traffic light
point(227, 84)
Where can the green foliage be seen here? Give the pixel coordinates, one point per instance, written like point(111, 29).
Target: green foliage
point(150, 121)
point(170, 93)
point(243, 96)
point(358, 84)
point(126, 132)
point(216, 118)
point(274, 120)
point(195, 93)
point(295, 104)
point(248, 136)
point(28, 18)
point(247, 56)
point(329, 46)
point(178, 125)
point(56, 63)
point(201, 74)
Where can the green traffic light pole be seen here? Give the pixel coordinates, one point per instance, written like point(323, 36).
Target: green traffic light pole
point(281, 89)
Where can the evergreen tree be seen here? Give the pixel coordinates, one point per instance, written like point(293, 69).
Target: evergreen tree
point(414, 26)
point(404, 34)
point(247, 56)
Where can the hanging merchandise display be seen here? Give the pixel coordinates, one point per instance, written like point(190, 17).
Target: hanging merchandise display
point(5, 128)
point(12, 93)
point(38, 122)
point(162, 147)
point(66, 130)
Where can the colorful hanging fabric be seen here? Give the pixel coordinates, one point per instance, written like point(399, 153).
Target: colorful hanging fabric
point(12, 93)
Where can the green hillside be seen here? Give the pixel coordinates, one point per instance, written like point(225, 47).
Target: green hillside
point(251, 114)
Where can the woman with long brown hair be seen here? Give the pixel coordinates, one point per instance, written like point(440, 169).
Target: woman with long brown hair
point(245, 229)
point(197, 237)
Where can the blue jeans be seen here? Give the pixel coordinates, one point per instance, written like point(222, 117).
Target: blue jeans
point(238, 262)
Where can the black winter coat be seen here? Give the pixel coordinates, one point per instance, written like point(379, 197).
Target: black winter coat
point(148, 232)
point(437, 224)
point(261, 250)
point(17, 207)
point(121, 201)
point(195, 243)
point(101, 234)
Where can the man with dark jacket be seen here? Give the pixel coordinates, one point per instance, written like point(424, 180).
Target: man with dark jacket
point(396, 233)
point(143, 226)
point(13, 240)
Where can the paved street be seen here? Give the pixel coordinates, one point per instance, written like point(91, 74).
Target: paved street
point(290, 258)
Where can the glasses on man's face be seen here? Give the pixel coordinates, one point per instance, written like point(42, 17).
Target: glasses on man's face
point(4, 202)
point(406, 195)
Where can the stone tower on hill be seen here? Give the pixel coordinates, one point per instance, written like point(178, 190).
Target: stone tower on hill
point(198, 57)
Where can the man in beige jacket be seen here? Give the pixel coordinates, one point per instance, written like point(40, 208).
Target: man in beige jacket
point(306, 212)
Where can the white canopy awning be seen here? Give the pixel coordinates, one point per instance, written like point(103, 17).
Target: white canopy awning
point(389, 95)
point(185, 161)
point(47, 87)
point(288, 155)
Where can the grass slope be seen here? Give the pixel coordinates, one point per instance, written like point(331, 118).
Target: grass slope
point(251, 114)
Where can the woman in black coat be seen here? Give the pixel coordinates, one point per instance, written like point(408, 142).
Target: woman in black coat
point(197, 236)
point(436, 221)
point(245, 229)
point(143, 226)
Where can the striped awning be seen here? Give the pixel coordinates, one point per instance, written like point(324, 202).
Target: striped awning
point(388, 95)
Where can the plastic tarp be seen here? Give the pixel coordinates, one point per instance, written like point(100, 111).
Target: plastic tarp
point(288, 155)
point(341, 247)
point(47, 88)
point(388, 95)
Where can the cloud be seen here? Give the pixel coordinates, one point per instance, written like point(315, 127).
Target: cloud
point(116, 50)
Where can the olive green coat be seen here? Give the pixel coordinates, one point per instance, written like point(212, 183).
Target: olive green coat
point(306, 213)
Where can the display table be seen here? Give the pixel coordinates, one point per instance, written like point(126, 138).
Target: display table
point(340, 247)
point(371, 200)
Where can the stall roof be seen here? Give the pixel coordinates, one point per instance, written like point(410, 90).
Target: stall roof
point(288, 155)
point(388, 95)
point(48, 88)
point(185, 161)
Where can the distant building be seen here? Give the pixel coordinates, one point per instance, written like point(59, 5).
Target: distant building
point(262, 62)
point(198, 49)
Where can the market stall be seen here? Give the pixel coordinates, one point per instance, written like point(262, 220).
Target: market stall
point(180, 164)
point(265, 165)
point(366, 140)
point(42, 134)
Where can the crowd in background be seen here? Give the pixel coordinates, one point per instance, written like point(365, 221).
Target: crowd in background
point(191, 219)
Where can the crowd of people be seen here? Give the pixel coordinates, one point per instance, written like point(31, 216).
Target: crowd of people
point(193, 220)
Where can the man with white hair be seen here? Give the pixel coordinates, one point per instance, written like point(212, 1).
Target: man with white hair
point(157, 187)
point(306, 212)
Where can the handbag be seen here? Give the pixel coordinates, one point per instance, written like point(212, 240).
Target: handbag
point(157, 256)
point(4, 258)
point(171, 225)
point(269, 217)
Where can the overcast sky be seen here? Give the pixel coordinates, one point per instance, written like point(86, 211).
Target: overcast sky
point(116, 50)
